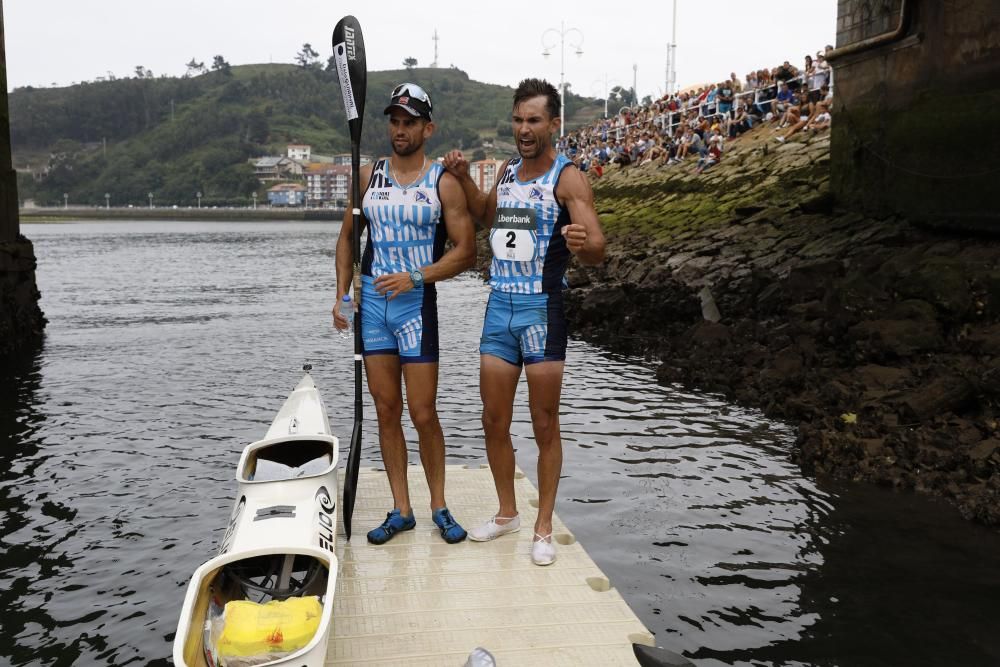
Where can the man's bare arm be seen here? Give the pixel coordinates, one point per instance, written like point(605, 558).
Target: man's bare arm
point(584, 236)
point(345, 250)
point(460, 257)
point(461, 233)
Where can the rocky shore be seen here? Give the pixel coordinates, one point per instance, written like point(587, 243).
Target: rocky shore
point(879, 339)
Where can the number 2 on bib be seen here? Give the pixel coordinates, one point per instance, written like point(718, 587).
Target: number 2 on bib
point(513, 237)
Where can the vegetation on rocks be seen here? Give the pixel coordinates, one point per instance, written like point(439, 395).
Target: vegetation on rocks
point(880, 339)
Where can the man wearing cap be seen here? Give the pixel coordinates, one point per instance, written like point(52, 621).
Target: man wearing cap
point(541, 211)
point(412, 207)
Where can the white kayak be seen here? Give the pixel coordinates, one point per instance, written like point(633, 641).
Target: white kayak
point(276, 566)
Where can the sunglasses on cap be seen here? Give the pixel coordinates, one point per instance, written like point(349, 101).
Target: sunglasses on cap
point(411, 90)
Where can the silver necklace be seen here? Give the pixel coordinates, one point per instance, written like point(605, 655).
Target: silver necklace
point(404, 188)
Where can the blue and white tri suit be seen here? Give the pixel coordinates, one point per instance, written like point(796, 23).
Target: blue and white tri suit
point(525, 320)
point(406, 232)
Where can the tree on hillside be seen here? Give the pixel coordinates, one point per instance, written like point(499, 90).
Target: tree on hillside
point(622, 96)
point(410, 62)
point(143, 73)
point(194, 68)
point(307, 57)
point(331, 64)
point(219, 64)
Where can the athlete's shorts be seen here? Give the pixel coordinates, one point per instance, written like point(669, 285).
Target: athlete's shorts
point(406, 326)
point(524, 328)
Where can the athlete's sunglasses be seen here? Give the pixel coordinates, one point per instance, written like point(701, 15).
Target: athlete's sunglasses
point(412, 90)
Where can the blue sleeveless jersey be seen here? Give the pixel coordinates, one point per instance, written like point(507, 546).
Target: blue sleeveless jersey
point(529, 250)
point(406, 231)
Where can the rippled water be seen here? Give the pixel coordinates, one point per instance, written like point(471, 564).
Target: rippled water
point(171, 345)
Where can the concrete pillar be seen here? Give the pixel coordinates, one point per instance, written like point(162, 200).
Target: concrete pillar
point(21, 320)
point(9, 226)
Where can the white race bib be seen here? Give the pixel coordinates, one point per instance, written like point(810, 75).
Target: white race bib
point(514, 235)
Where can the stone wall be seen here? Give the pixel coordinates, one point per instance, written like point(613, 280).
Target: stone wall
point(862, 19)
point(915, 118)
point(21, 320)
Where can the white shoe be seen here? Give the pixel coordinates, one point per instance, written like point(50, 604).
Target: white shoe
point(492, 530)
point(543, 552)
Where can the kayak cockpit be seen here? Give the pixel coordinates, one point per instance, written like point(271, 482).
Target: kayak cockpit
point(287, 458)
point(260, 609)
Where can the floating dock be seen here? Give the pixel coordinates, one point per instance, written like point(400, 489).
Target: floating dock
point(420, 601)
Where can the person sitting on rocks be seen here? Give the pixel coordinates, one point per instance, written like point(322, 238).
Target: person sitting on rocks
point(690, 142)
point(712, 156)
point(739, 123)
point(782, 103)
point(798, 116)
point(821, 117)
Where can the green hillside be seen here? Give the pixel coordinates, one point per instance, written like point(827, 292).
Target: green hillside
point(178, 136)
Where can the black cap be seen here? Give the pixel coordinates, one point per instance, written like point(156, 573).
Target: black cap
point(412, 99)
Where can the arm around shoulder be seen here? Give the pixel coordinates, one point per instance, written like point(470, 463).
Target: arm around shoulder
point(477, 201)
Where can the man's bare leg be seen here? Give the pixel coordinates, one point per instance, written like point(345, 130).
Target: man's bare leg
point(421, 396)
point(385, 386)
point(544, 391)
point(497, 384)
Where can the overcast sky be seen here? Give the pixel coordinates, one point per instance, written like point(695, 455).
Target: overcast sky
point(58, 42)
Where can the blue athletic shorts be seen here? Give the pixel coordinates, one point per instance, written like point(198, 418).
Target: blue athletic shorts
point(524, 328)
point(406, 326)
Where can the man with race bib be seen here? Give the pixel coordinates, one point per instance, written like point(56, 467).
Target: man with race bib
point(541, 210)
point(411, 207)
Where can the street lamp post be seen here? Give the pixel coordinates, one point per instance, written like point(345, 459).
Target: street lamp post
point(198, 195)
point(606, 91)
point(107, 200)
point(563, 33)
point(672, 57)
point(150, 200)
point(635, 88)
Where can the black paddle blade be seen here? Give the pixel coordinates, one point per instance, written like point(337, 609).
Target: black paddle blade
point(649, 656)
point(352, 70)
point(351, 477)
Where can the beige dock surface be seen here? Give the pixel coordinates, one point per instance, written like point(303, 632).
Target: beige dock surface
point(419, 601)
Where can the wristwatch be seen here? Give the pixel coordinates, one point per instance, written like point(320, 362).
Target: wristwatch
point(417, 277)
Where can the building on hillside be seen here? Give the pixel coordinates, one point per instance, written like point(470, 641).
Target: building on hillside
point(328, 185)
point(287, 194)
point(345, 158)
point(300, 152)
point(275, 168)
point(484, 173)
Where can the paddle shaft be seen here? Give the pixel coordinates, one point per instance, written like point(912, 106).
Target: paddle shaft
point(354, 458)
point(352, 70)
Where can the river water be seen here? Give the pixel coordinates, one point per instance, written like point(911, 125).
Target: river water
point(171, 345)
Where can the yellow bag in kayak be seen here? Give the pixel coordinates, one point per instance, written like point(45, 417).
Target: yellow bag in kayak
point(278, 626)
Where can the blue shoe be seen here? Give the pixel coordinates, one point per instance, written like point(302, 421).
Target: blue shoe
point(394, 523)
point(450, 530)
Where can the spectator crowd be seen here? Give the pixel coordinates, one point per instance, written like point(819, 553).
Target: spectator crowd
point(696, 124)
